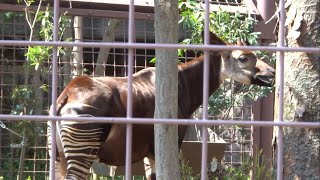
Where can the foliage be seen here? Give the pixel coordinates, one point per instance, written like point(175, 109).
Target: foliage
point(37, 57)
point(229, 27)
point(192, 19)
point(261, 169)
point(186, 170)
point(26, 98)
point(227, 97)
point(257, 164)
point(115, 178)
point(22, 95)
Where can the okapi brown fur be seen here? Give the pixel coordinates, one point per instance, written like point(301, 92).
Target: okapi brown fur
point(107, 97)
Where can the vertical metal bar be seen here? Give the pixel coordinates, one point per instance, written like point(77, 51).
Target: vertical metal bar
point(131, 35)
point(54, 88)
point(205, 94)
point(281, 85)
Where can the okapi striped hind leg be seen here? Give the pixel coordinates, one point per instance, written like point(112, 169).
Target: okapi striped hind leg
point(60, 161)
point(81, 142)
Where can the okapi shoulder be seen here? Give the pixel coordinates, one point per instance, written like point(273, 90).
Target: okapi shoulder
point(191, 63)
point(145, 75)
point(145, 72)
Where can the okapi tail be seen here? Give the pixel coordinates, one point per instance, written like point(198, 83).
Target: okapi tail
point(61, 101)
point(61, 162)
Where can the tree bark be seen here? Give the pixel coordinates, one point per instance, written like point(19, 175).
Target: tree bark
point(103, 55)
point(66, 59)
point(166, 136)
point(301, 91)
point(77, 51)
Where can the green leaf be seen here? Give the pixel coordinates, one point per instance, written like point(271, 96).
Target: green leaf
point(186, 41)
point(45, 87)
point(181, 52)
point(213, 165)
point(153, 60)
point(36, 67)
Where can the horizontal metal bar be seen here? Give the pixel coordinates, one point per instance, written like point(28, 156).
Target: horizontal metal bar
point(124, 120)
point(160, 46)
point(142, 6)
point(83, 12)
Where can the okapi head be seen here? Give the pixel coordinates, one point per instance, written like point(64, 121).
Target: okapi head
point(243, 65)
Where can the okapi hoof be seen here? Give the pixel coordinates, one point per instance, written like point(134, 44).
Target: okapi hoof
point(151, 176)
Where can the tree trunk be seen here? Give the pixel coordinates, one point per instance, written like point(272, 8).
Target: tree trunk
point(77, 50)
point(103, 55)
point(301, 91)
point(166, 137)
point(38, 92)
point(66, 59)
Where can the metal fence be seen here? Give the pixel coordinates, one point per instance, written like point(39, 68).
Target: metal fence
point(129, 47)
point(14, 27)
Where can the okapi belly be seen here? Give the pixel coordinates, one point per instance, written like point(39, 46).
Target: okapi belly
point(112, 152)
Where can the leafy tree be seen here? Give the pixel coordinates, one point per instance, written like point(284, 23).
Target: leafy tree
point(28, 98)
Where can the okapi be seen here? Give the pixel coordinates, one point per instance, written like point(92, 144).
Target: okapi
point(80, 143)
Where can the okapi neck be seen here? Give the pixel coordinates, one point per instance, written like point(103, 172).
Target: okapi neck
point(191, 83)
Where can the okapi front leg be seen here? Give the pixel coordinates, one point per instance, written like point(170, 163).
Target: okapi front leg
point(149, 168)
point(81, 142)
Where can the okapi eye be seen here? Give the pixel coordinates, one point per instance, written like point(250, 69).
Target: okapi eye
point(243, 58)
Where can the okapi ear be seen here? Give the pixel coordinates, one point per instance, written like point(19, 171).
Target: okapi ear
point(214, 39)
point(241, 42)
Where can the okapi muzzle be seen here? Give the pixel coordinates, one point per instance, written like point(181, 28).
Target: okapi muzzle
point(265, 76)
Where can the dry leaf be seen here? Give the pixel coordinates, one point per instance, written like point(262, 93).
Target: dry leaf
point(293, 34)
point(297, 21)
point(291, 15)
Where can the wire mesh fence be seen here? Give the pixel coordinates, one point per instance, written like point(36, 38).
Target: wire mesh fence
point(17, 81)
point(93, 30)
